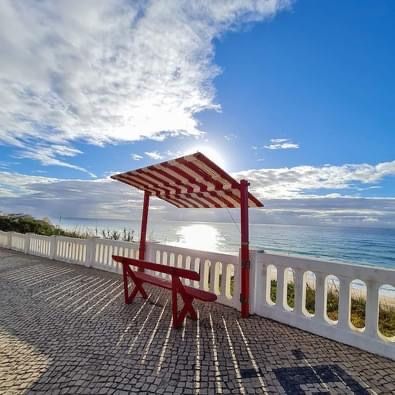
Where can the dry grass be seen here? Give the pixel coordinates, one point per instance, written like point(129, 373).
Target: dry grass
point(358, 307)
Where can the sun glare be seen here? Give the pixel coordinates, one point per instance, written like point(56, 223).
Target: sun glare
point(198, 236)
point(214, 154)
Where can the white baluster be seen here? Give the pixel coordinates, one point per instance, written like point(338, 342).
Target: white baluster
point(27, 243)
point(299, 298)
point(344, 303)
point(372, 309)
point(281, 299)
point(320, 297)
point(53, 245)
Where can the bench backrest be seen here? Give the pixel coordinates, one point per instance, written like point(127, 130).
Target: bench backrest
point(156, 267)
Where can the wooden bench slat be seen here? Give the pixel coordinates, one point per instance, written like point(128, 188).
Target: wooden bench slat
point(156, 267)
point(200, 294)
point(147, 278)
point(196, 293)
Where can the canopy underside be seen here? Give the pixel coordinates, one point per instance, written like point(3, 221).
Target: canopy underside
point(192, 181)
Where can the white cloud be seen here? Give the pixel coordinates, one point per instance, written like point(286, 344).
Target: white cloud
point(110, 71)
point(286, 192)
point(281, 144)
point(137, 157)
point(47, 155)
point(300, 181)
point(155, 155)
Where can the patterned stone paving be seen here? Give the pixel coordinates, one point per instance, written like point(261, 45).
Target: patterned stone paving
point(65, 329)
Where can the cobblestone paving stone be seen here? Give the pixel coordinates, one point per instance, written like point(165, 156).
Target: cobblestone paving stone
point(65, 329)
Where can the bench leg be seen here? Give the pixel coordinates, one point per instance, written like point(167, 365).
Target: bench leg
point(125, 283)
point(176, 323)
point(138, 285)
point(178, 319)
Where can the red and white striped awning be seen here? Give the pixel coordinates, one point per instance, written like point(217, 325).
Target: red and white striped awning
point(192, 181)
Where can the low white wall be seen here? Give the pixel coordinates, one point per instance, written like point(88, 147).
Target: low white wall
point(342, 330)
point(218, 272)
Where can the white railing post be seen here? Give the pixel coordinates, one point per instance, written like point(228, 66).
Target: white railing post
point(299, 293)
point(320, 297)
point(9, 242)
point(90, 252)
point(344, 303)
point(255, 282)
point(372, 309)
point(53, 247)
point(149, 252)
point(26, 244)
point(281, 296)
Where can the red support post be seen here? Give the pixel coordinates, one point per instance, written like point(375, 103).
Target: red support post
point(144, 221)
point(245, 250)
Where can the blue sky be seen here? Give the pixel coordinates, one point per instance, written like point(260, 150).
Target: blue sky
point(298, 95)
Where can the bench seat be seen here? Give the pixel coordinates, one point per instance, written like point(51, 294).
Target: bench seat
point(139, 277)
point(194, 292)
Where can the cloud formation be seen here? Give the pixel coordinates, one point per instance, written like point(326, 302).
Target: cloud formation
point(281, 144)
point(155, 155)
point(298, 195)
point(109, 71)
point(310, 181)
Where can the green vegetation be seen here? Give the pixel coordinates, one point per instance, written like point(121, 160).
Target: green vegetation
point(27, 224)
point(358, 304)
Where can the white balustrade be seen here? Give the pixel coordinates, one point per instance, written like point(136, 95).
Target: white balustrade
point(103, 250)
point(18, 241)
point(220, 273)
point(39, 245)
point(4, 239)
point(342, 330)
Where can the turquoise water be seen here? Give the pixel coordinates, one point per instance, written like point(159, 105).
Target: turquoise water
point(367, 246)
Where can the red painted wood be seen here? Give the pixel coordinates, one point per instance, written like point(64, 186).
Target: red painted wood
point(166, 174)
point(174, 271)
point(196, 169)
point(144, 222)
point(125, 284)
point(217, 169)
point(188, 294)
point(185, 175)
point(145, 179)
point(245, 250)
point(159, 180)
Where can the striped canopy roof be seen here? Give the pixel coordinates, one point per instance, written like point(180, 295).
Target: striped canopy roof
point(192, 181)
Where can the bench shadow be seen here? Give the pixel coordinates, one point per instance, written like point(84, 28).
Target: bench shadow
point(75, 334)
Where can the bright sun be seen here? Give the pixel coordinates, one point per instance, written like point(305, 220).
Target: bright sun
point(211, 153)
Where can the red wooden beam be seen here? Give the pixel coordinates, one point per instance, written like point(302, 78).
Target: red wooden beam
point(245, 250)
point(144, 222)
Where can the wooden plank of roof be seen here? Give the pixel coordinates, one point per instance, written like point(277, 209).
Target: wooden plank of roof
point(189, 181)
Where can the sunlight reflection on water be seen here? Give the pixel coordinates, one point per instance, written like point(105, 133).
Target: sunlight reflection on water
point(199, 237)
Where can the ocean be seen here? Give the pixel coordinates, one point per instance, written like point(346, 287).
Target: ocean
point(363, 245)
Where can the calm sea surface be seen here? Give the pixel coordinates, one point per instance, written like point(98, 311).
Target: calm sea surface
point(368, 246)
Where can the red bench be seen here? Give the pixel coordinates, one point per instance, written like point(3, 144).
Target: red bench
point(188, 294)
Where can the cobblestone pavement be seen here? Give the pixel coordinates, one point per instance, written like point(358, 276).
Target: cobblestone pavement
point(65, 329)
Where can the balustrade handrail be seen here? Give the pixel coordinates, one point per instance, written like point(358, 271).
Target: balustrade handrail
point(184, 250)
point(338, 269)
